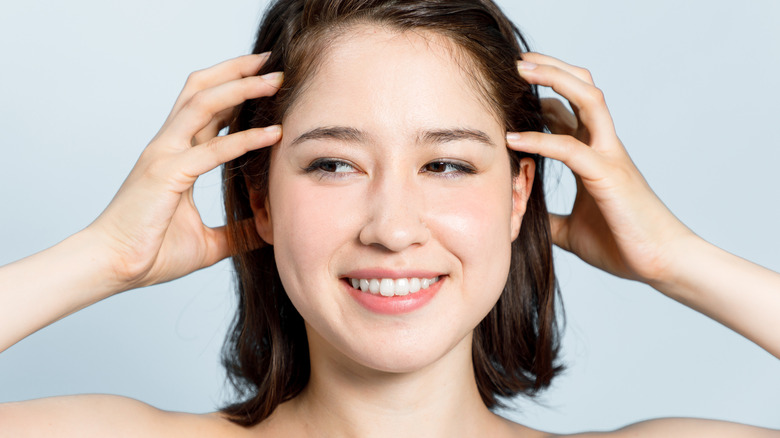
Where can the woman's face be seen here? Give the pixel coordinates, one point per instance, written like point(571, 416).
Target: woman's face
point(392, 171)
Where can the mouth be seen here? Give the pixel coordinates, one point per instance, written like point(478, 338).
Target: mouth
point(389, 287)
point(385, 294)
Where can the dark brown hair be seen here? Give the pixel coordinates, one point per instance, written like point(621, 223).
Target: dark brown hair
point(266, 353)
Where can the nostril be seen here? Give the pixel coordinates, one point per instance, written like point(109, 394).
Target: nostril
point(394, 216)
point(394, 234)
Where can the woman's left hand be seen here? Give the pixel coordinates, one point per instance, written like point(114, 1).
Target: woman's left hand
point(617, 223)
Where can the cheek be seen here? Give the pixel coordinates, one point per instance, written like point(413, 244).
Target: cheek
point(312, 226)
point(474, 225)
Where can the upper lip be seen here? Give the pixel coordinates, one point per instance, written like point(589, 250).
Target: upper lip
point(369, 273)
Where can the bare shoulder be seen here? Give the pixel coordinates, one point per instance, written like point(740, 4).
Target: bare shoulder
point(105, 415)
point(683, 427)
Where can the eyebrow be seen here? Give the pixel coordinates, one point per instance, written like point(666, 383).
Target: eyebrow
point(436, 136)
point(341, 133)
point(440, 136)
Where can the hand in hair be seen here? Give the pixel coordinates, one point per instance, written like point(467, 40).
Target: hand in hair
point(619, 225)
point(151, 232)
point(152, 224)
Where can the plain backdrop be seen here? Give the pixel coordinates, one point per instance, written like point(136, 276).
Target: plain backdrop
point(692, 86)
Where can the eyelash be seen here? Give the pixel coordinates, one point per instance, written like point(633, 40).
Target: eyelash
point(460, 168)
point(317, 166)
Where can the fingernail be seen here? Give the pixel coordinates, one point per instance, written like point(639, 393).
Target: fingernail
point(274, 78)
point(513, 137)
point(264, 55)
point(525, 65)
point(273, 128)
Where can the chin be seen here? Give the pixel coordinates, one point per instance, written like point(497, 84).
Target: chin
point(396, 349)
point(404, 360)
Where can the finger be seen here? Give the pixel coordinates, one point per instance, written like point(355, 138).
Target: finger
point(204, 105)
point(558, 118)
point(582, 74)
point(578, 72)
point(217, 123)
point(219, 246)
point(230, 70)
point(577, 156)
point(586, 99)
point(205, 157)
point(558, 228)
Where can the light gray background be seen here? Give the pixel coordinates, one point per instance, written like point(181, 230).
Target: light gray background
point(692, 87)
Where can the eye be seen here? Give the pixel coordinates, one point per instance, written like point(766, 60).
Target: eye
point(330, 167)
point(448, 168)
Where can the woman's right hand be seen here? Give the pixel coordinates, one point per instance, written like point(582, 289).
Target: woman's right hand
point(151, 229)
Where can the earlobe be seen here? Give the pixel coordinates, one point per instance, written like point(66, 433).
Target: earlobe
point(262, 216)
point(521, 191)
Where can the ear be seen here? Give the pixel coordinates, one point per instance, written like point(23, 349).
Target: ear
point(262, 215)
point(521, 191)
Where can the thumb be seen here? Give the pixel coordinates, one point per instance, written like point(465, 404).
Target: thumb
point(226, 243)
point(559, 230)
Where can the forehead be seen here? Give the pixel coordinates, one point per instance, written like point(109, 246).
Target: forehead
point(376, 78)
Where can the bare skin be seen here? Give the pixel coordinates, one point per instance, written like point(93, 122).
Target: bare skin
point(608, 227)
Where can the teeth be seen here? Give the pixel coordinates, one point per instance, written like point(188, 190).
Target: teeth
point(389, 287)
point(401, 286)
point(386, 287)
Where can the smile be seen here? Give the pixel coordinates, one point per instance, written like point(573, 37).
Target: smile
point(386, 295)
point(388, 287)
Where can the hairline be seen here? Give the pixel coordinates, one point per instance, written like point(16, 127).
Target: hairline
point(327, 37)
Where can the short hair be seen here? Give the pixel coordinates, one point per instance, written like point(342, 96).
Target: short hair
point(515, 347)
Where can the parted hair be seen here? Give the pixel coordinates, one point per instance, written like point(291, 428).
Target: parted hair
point(515, 347)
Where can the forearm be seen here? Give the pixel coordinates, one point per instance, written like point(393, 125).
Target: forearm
point(735, 292)
point(151, 232)
point(47, 286)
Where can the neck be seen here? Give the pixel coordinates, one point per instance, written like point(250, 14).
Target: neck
point(349, 400)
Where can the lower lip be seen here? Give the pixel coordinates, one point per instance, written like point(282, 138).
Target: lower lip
point(395, 305)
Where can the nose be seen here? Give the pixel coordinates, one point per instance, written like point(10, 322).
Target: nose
point(394, 222)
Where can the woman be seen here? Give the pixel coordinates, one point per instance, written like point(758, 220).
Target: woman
point(549, 72)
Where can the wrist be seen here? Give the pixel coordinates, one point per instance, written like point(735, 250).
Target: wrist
point(96, 261)
point(683, 268)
